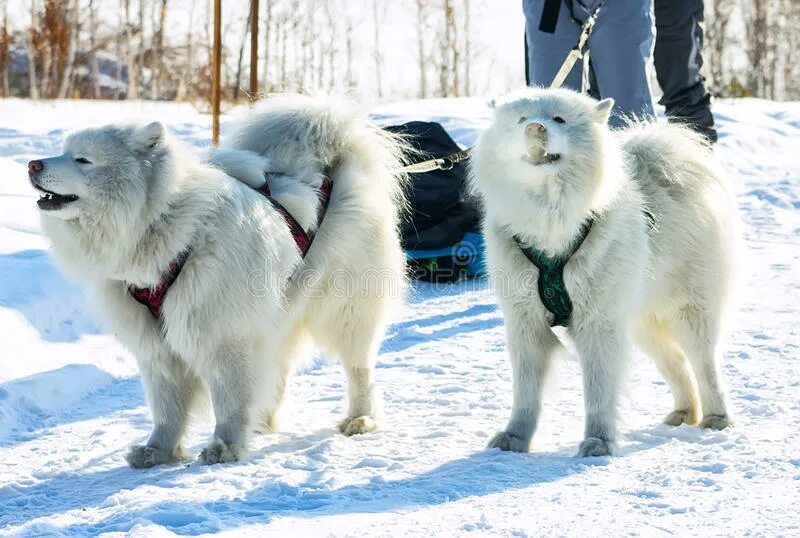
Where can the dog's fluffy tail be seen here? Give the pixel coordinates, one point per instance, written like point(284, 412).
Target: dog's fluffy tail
point(300, 134)
point(675, 154)
point(678, 161)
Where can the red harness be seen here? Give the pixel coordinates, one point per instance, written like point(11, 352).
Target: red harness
point(153, 297)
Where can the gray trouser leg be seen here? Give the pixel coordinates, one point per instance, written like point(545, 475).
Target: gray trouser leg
point(620, 47)
point(546, 52)
point(677, 58)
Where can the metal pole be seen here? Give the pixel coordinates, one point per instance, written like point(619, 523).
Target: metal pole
point(253, 50)
point(216, 71)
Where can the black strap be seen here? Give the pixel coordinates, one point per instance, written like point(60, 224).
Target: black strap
point(527, 61)
point(547, 23)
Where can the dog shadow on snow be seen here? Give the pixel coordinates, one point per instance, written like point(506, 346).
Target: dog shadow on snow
point(477, 475)
point(405, 334)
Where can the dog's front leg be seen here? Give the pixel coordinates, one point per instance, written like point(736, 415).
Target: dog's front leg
point(531, 350)
point(171, 390)
point(603, 350)
point(232, 381)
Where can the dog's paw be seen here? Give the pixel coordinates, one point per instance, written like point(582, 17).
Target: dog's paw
point(358, 425)
point(715, 422)
point(509, 442)
point(219, 452)
point(142, 456)
point(681, 416)
point(592, 447)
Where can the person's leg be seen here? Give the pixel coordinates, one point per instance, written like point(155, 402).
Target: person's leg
point(546, 51)
point(677, 58)
point(620, 48)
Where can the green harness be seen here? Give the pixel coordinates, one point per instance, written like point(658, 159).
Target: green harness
point(552, 290)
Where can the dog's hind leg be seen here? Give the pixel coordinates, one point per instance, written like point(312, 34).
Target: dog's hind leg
point(353, 333)
point(171, 390)
point(603, 350)
point(232, 381)
point(361, 414)
point(698, 334)
point(532, 350)
point(277, 366)
point(658, 342)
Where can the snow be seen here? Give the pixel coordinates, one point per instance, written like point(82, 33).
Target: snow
point(71, 400)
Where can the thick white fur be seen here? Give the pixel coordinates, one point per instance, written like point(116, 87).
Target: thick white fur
point(667, 288)
point(245, 305)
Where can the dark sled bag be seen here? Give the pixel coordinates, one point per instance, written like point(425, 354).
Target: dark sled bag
point(441, 234)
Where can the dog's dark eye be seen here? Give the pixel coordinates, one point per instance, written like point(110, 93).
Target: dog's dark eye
point(523, 119)
point(559, 119)
point(83, 160)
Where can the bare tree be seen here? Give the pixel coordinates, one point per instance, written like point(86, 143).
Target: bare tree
point(332, 50)
point(267, 40)
point(791, 65)
point(140, 54)
point(454, 53)
point(756, 34)
point(421, 52)
point(377, 55)
point(446, 48)
point(238, 81)
point(74, 25)
point(349, 80)
point(130, 56)
point(94, 69)
point(5, 48)
point(157, 64)
point(718, 18)
point(31, 51)
point(467, 49)
point(185, 86)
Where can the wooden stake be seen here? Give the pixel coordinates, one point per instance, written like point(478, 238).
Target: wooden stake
point(254, 50)
point(216, 71)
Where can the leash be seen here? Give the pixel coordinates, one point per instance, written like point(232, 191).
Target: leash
point(577, 50)
point(447, 163)
point(441, 163)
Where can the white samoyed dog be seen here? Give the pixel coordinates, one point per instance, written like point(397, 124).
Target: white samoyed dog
point(626, 236)
point(127, 207)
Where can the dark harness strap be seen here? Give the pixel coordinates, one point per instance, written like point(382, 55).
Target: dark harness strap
point(153, 298)
point(550, 9)
point(552, 290)
point(301, 237)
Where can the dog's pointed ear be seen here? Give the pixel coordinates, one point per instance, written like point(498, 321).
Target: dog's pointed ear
point(602, 110)
point(149, 136)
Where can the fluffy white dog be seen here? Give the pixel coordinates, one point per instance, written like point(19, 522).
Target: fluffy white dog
point(129, 208)
point(626, 235)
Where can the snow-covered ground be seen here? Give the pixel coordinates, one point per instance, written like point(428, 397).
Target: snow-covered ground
point(71, 400)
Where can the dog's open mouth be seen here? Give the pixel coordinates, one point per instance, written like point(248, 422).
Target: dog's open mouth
point(50, 201)
point(541, 157)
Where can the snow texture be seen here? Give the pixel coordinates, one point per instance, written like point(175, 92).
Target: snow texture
point(71, 401)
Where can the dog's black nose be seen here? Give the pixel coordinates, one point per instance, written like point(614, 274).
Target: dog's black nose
point(35, 166)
